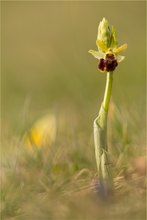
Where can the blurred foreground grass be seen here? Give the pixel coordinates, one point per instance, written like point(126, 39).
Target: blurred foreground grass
point(46, 68)
point(58, 180)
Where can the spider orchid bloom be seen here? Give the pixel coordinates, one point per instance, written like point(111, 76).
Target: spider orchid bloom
point(108, 52)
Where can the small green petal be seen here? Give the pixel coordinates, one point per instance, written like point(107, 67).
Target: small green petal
point(120, 49)
point(101, 46)
point(97, 54)
point(120, 58)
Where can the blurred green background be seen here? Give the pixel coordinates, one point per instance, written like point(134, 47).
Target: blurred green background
point(46, 67)
point(45, 60)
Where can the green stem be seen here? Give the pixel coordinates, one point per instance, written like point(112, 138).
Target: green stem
point(108, 89)
point(100, 140)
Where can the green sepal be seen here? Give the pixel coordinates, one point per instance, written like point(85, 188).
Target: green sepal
point(97, 54)
point(120, 58)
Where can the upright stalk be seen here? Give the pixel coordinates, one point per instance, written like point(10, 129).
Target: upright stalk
point(100, 140)
point(108, 89)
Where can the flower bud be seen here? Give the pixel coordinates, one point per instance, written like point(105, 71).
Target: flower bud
point(106, 36)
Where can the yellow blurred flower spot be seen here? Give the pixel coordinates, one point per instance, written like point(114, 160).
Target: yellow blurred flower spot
point(42, 133)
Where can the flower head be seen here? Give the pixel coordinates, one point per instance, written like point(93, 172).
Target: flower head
point(108, 52)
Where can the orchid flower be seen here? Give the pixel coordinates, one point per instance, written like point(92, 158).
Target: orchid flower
point(108, 53)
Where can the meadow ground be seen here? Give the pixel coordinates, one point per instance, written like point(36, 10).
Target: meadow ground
point(57, 182)
point(46, 70)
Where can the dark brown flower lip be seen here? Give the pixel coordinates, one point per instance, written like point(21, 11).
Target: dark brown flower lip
point(101, 64)
point(108, 64)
